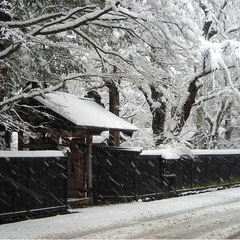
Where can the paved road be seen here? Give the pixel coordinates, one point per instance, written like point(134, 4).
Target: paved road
point(218, 221)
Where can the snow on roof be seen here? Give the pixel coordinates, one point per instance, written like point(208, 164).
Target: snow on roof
point(84, 112)
point(28, 154)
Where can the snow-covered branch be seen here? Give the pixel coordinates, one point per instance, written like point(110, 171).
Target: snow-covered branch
point(60, 20)
point(9, 50)
point(128, 77)
point(95, 45)
point(32, 21)
point(70, 25)
point(233, 29)
point(59, 17)
point(32, 93)
point(215, 94)
point(63, 80)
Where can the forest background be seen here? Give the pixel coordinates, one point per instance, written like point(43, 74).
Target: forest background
point(170, 67)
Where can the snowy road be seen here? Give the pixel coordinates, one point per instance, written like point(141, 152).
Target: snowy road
point(216, 221)
point(207, 216)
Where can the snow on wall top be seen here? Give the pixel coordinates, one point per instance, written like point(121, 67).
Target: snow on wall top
point(215, 151)
point(84, 112)
point(168, 153)
point(29, 154)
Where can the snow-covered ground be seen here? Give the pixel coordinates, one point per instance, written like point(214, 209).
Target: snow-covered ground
point(209, 215)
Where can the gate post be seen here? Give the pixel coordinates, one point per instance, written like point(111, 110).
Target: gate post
point(89, 168)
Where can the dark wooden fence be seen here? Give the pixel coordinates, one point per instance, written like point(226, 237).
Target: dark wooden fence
point(125, 174)
point(114, 173)
point(32, 182)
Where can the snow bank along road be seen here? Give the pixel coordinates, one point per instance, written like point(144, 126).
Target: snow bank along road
point(207, 215)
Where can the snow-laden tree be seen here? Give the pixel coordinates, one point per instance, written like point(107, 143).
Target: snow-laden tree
point(181, 55)
point(50, 42)
point(216, 109)
point(166, 57)
point(190, 64)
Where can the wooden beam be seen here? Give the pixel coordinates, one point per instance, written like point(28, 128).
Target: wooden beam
point(75, 133)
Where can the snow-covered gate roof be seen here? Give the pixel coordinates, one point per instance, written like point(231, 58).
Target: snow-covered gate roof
point(85, 113)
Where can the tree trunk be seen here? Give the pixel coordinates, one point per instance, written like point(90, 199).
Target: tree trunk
point(3, 45)
point(3, 82)
point(158, 109)
point(187, 107)
point(114, 136)
point(158, 116)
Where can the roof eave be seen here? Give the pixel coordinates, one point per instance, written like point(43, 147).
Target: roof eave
point(128, 132)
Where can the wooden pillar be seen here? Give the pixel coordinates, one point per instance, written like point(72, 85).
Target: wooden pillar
point(76, 170)
point(89, 168)
point(80, 174)
point(8, 139)
point(20, 140)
